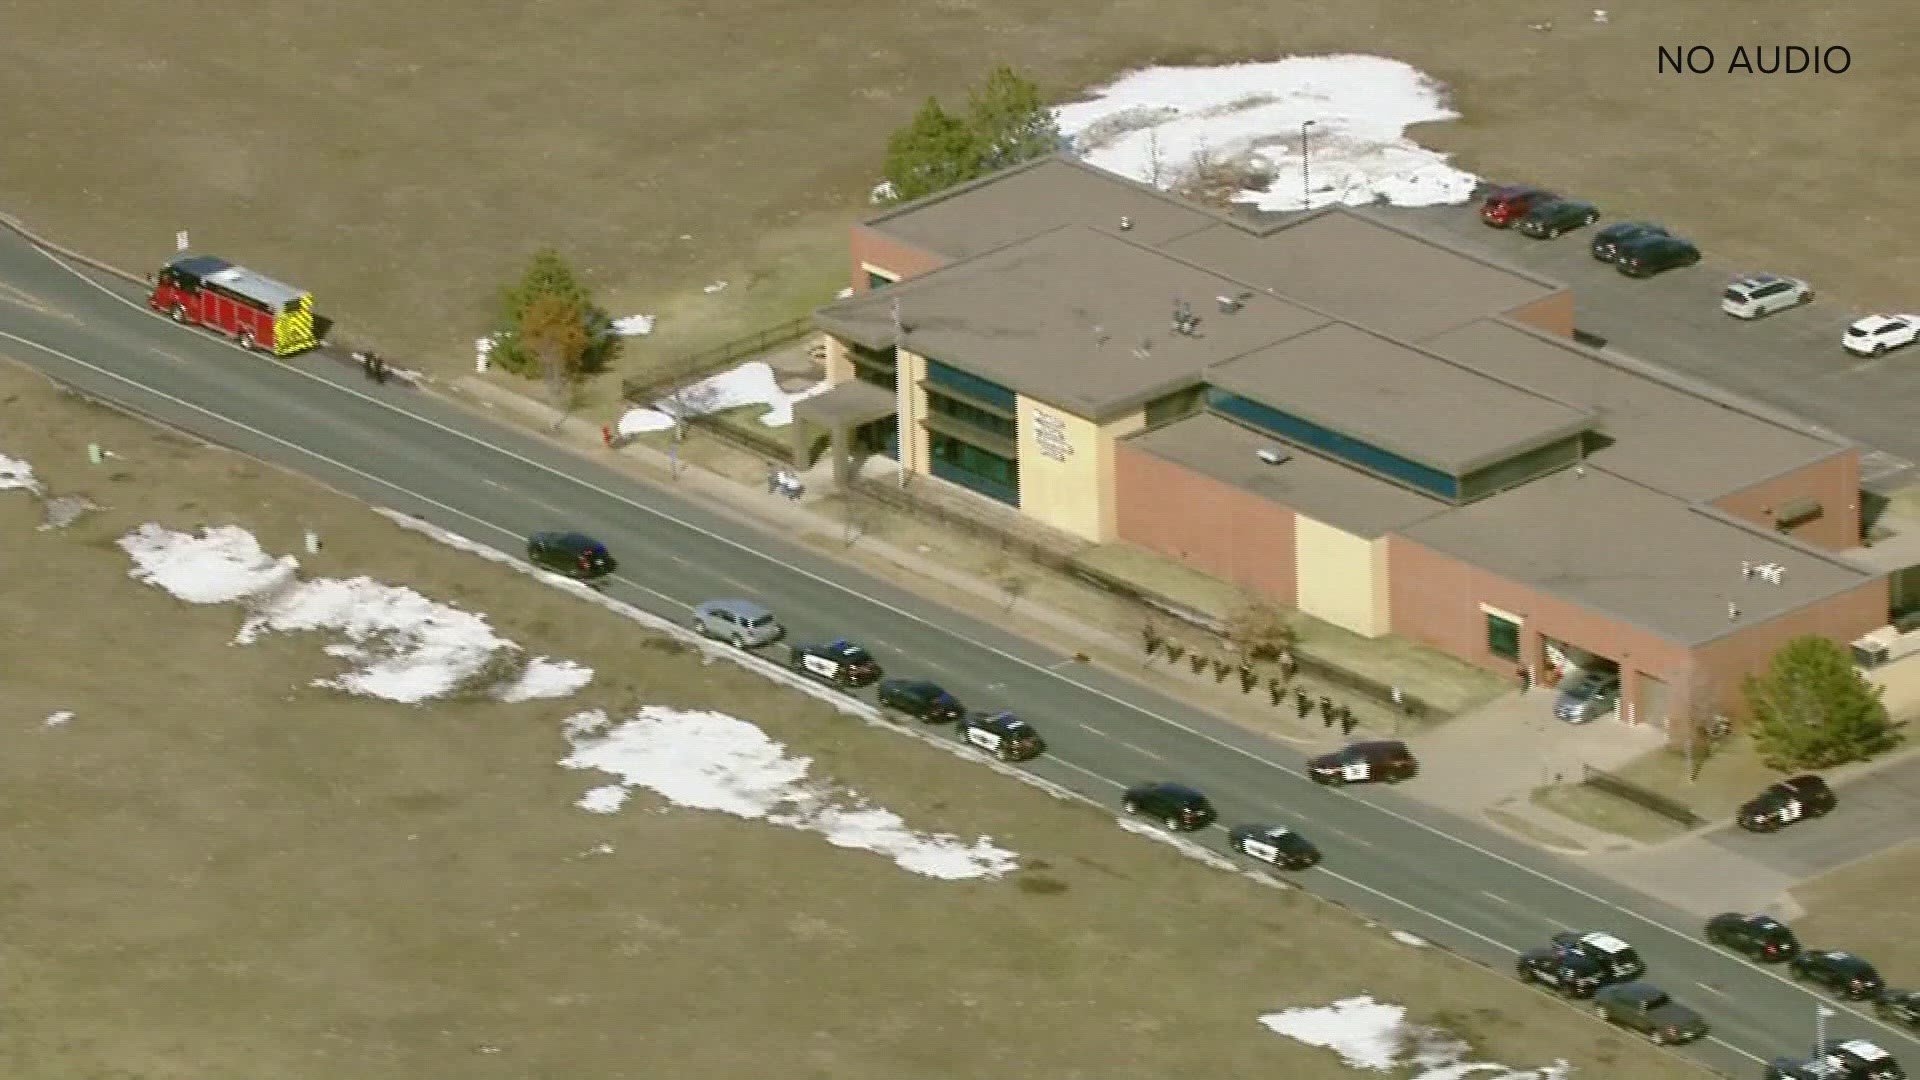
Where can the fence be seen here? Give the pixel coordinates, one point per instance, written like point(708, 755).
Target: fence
point(1672, 809)
point(1313, 667)
point(646, 389)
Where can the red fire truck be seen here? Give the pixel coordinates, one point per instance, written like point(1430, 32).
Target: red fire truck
point(253, 309)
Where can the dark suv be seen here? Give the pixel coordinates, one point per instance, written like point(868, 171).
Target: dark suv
point(839, 662)
point(1386, 760)
point(1001, 734)
point(1506, 205)
point(924, 701)
point(1569, 973)
point(1548, 220)
point(1862, 1060)
point(1841, 972)
point(1606, 243)
point(1179, 807)
point(1617, 960)
point(1899, 1006)
point(1757, 937)
point(1786, 802)
point(570, 554)
point(1649, 255)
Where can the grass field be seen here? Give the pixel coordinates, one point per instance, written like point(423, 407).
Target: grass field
point(1850, 908)
point(214, 870)
point(402, 160)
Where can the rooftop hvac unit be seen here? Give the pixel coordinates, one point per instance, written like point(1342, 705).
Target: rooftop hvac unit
point(1271, 456)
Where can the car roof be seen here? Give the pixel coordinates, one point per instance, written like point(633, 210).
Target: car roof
point(1864, 1050)
point(1637, 991)
point(1170, 787)
point(917, 684)
point(737, 607)
point(1808, 781)
point(1877, 322)
point(1382, 745)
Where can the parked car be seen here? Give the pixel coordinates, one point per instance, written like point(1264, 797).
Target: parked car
point(1786, 802)
point(1547, 220)
point(1647, 1009)
point(1877, 334)
point(840, 662)
point(571, 554)
point(1763, 294)
point(1649, 255)
point(742, 622)
point(1001, 734)
point(1757, 937)
point(1177, 806)
point(1862, 1060)
point(1567, 972)
point(1842, 972)
point(1506, 205)
point(1898, 1006)
point(1587, 695)
point(924, 701)
point(1617, 960)
point(1386, 760)
point(1606, 243)
point(1274, 845)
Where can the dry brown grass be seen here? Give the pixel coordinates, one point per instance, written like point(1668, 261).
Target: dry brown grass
point(402, 160)
point(215, 871)
point(1855, 908)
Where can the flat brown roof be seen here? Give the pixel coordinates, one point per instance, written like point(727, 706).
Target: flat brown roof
point(1399, 398)
point(1634, 554)
point(1680, 441)
point(1360, 269)
point(1322, 489)
point(1074, 317)
point(1033, 198)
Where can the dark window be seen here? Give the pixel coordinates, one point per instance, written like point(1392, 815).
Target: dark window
point(1345, 447)
point(1503, 637)
point(1520, 468)
point(1175, 406)
point(973, 386)
point(972, 415)
point(877, 366)
point(878, 280)
point(971, 467)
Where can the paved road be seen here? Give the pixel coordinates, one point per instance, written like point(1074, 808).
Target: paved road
point(1449, 880)
point(1878, 813)
point(1791, 360)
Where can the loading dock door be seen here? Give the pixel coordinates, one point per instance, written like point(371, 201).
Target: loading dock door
point(1656, 697)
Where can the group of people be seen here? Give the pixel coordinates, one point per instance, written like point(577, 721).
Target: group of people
point(372, 365)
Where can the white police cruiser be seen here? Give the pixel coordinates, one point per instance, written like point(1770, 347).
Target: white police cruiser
point(1001, 734)
point(1617, 960)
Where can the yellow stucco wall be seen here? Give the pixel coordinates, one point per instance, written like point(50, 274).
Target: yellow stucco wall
point(1060, 457)
point(1341, 577)
point(839, 367)
point(912, 369)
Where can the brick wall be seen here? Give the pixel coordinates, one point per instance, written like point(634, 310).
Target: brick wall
point(873, 248)
point(1553, 314)
point(1213, 527)
point(1835, 482)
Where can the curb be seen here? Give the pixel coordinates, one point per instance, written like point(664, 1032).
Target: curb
point(37, 240)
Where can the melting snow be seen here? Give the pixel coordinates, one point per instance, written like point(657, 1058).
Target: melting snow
point(405, 647)
point(1368, 1034)
point(59, 718)
point(1151, 124)
point(633, 326)
point(1405, 938)
point(711, 761)
point(17, 474)
point(751, 383)
point(546, 678)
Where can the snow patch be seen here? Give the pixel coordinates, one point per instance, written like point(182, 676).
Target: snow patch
point(1190, 848)
point(57, 719)
point(404, 646)
point(711, 761)
point(17, 474)
point(1405, 938)
point(714, 287)
point(1151, 125)
point(545, 679)
point(633, 325)
point(1373, 1035)
point(751, 383)
point(883, 192)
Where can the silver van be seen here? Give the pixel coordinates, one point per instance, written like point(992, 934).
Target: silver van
point(742, 622)
point(1587, 695)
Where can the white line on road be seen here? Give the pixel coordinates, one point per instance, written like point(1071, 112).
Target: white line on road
point(1095, 730)
point(1345, 835)
point(830, 583)
point(1500, 899)
point(1141, 750)
point(1711, 989)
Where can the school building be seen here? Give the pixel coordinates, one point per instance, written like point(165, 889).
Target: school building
point(1354, 420)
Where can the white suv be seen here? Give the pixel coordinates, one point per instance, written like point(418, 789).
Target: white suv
point(1876, 334)
point(1764, 294)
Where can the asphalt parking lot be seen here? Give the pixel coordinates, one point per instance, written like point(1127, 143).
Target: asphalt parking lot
point(1791, 360)
point(1876, 814)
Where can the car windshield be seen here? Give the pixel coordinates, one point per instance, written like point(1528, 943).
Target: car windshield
point(1736, 296)
point(762, 621)
point(1861, 331)
point(1656, 1000)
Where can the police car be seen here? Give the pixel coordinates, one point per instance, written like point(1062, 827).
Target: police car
point(1786, 802)
point(1274, 845)
point(839, 662)
point(1567, 972)
point(1386, 760)
point(1842, 972)
point(1001, 734)
point(1817, 1068)
point(1758, 937)
point(1617, 960)
point(1901, 1006)
point(1862, 1060)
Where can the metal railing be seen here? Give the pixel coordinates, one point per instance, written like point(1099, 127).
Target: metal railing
point(1672, 809)
point(645, 389)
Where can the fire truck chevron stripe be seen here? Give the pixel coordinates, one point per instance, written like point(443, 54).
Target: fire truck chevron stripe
point(293, 331)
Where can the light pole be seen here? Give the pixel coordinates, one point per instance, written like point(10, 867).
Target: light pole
point(1820, 1014)
point(1306, 159)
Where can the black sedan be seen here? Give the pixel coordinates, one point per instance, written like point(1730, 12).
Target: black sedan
point(571, 554)
point(1177, 806)
point(924, 701)
point(1899, 1006)
point(1608, 241)
point(1649, 255)
point(1757, 937)
point(1841, 972)
point(1274, 845)
point(1548, 220)
point(1794, 799)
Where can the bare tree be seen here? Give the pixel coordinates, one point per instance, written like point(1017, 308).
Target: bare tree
point(1696, 720)
point(553, 329)
point(1213, 180)
point(1259, 629)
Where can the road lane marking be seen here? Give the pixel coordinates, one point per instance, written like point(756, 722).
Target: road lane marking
point(848, 590)
point(1500, 899)
point(1141, 750)
point(1095, 730)
point(1710, 989)
point(1344, 835)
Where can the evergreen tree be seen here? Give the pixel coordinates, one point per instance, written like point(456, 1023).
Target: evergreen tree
point(934, 152)
point(548, 276)
point(1813, 710)
point(1010, 122)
